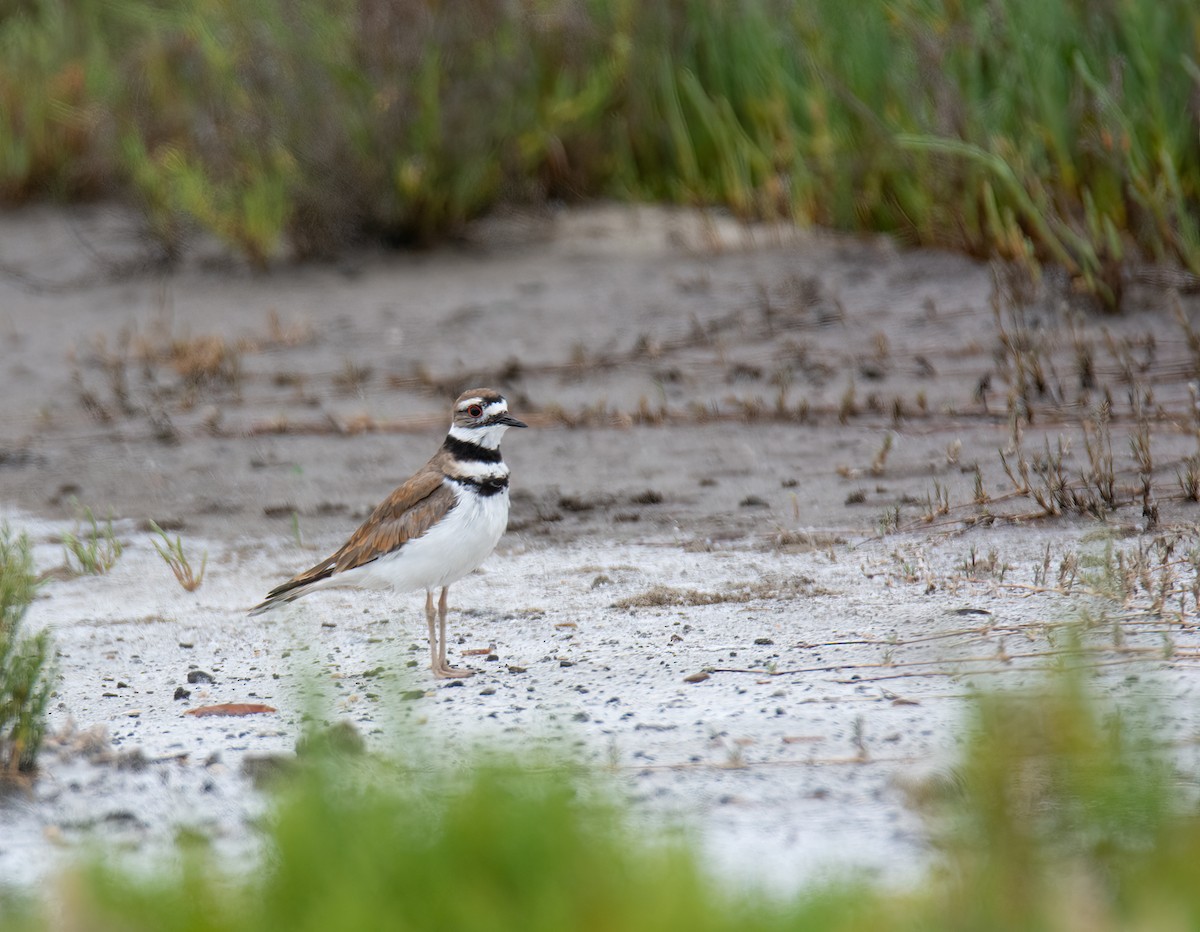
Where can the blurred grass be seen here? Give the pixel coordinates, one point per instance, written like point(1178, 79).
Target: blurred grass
point(24, 660)
point(1063, 814)
point(1031, 129)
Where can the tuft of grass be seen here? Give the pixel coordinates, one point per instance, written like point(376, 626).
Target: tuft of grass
point(25, 662)
point(172, 553)
point(93, 550)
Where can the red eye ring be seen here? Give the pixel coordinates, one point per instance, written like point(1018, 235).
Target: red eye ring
point(475, 411)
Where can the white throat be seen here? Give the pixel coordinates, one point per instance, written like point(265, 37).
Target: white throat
point(486, 437)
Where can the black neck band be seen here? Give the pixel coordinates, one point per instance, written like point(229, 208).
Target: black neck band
point(470, 452)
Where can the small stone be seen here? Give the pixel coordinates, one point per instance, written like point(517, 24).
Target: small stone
point(199, 676)
point(410, 694)
point(566, 663)
point(512, 668)
point(181, 693)
point(763, 641)
point(488, 691)
point(696, 677)
point(753, 501)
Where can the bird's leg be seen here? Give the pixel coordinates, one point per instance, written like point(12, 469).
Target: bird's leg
point(433, 643)
point(441, 668)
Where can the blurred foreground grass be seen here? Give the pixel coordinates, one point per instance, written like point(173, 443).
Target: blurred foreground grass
point(1061, 816)
point(26, 661)
point(1031, 129)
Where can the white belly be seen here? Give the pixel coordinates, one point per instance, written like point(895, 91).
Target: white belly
point(447, 552)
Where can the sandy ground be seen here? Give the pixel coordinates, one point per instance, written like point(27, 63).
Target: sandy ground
point(722, 418)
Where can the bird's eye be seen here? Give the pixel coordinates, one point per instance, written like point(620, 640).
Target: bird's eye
point(475, 411)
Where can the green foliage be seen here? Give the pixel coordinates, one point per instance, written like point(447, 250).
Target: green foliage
point(504, 848)
point(1062, 810)
point(1022, 128)
point(1062, 815)
point(24, 661)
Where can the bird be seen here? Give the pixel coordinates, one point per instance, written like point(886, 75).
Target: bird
point(433, 530)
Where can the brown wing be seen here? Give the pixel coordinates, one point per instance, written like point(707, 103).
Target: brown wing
point(404, 515)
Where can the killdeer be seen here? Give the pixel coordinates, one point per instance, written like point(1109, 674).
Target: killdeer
point(433, 530)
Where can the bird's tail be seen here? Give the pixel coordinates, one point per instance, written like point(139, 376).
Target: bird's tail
point(281, 595)
point(316, 578)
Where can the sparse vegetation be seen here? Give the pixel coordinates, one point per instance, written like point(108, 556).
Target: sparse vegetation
point(665, 596)
point(1080, 148)
point(172, 553)
point(24, 660)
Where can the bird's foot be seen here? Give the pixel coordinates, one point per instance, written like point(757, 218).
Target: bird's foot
point(447, 672)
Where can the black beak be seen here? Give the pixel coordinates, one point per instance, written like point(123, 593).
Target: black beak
point(508, 420)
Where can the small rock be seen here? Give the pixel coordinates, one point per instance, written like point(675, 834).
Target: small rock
point(566, 663)
point(199, 676)
point(410, 694)
point(181, 693)
point(696, 677)
point(488, 691)
point(512, 668)
point(753, 501)
point(763, 641)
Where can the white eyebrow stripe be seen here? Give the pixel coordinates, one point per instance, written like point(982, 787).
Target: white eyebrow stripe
point(490, 407)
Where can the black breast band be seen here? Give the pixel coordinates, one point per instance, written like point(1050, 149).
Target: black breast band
point(484, 487)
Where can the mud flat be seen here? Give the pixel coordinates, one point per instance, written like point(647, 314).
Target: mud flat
point(789, 501)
